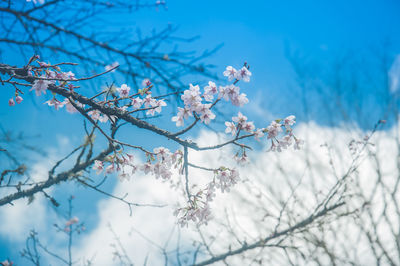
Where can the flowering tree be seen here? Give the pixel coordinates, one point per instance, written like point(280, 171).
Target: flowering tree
point(153, 85)
point(117, 104)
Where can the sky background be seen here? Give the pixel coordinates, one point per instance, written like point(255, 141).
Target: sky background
point(263, 33)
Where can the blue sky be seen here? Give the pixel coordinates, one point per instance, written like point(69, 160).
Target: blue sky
point(261, 33)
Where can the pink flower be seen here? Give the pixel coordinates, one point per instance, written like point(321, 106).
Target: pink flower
point(39, 86)
point(243, 159)
point(230, 72)
point(249, 127)
point(56, 103)
point(146, 83)
point(18, 99)
point(207, 116)
point(223, 93)
point(191, 97)
point(240, 119)
point(98, 166)
point(124, 90)
point(178, 120)
point(110, 169)
point(289, 121)
point(209, 91)
point(157, 105)
point(240, 100)
point(285, 142)
point(258, 133)
point(70, 108)
point(11, 102)
point(66, 75)
point(149, 101)
point(162, 153)
point(274, 129)
point(146, 168)
point(136, 102)
point(95, 114)
point(230, 128)
point(243, 74)
point(72, 221)
point(183, 113)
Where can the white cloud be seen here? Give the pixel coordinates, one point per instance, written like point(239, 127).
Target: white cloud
point(249, 208)
point(267, 181)
point(394, 74)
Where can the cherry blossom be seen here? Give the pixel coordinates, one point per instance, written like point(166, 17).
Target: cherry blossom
point(207, 116)
point(18, 99)
point(230, 128)
point(183, 113)
point(98, 166)
point(39, 86)
point(161, 162)
point(70, 108)
point(209, 91)
point(226, 179)
point(137, 102)
point(63, 75)
point(149, 101)
point(95, 114)
point(191, 97)
point(240, 119)
point(72, 221)
point(289, 121)
point(11, 102)
point(199, 215)
point(274, 129)
point(110, 169)
point(178, 119)
point(258, 134)
point(248, 127)
point(157, 105)
point(232, 92)
point(285, 142)
point(240, 100)
point(230, 72)
point(243, 74)
point(56, 103)
point(123, 90)
point(147, 168)
point(162, 153)
point(242, 159)
point(146, 83)
point(162, 170)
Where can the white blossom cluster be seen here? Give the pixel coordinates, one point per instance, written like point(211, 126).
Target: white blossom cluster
point(193, 97)
point(47, 74)
point(283, 125)
point(122, 164)
point(125, 166)
point(161, 162)
point(198, 210)
point(165, 162)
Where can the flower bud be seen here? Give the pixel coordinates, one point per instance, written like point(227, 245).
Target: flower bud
point(18, 99)
point(11, 102)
